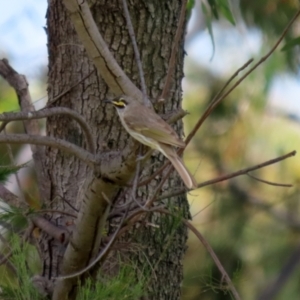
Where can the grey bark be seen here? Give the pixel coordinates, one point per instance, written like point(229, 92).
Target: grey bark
point(155, 24)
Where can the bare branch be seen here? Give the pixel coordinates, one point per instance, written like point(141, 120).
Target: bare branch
point(136, 54)
point(231, 175)
point(269, 182)
point(115, 234)
point(20, 84)
point(88, 228)
point(214, 257)
point(59, 234)
point(175, 47)
point(157, 190)
point(112, 239)
point(215, 103)
point(217, 99)
point(135, 217)
point(52, 101)
point(80, 153)
point(45, 113)
point(98, 51)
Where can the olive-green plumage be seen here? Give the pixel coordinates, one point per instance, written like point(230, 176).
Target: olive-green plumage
point(143, 124)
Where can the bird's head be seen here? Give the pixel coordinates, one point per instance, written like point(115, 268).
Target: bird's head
point(120, 102)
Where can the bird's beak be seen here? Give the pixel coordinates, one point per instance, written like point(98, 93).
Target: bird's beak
point(107, 101)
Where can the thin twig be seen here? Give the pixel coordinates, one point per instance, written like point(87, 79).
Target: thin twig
point(136, 53)
point(153, 198)
point(210, 251)
point(214, 104)
point(175, 47)
point(216, 100)
point(214, 257)
point(135, 217)
point(49, 112)
point(52, 101)
point(269, 182)
point(229, 176)
point(135, 182)
point(114, 236)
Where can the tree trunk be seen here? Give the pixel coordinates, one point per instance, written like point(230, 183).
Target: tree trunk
point(161, 240)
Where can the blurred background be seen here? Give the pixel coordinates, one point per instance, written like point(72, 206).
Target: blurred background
point(253, 227)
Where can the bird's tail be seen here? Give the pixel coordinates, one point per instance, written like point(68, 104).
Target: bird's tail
point(179, 166)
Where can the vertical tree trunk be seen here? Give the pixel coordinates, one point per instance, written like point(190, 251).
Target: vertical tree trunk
point(162, 243)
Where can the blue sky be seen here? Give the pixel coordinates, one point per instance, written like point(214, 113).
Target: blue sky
point(22, 36)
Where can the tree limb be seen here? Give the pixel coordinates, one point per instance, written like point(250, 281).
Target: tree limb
point(80, 153)
point(20, 84)
point(45, 113)
point(98, 51)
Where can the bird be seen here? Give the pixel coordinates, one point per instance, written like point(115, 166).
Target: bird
point(147, 127)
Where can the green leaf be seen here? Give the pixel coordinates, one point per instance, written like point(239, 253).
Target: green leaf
point(225, 10)
point(208, 22)
point(291, 44)
point(213, 7)
point(190, 5)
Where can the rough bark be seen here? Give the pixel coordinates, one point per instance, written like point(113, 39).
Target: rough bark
point(155, 24)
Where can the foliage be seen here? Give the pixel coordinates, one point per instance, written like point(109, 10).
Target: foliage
point(123, 286)
point(21, 288)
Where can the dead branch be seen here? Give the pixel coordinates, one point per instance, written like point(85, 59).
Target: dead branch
point(80, 153)
point(20, 84)
point(49, 112)
point(214, 257)
point(217, 99)
point(59, 234)
point(172, 62)
point(136, 54)
point(231, 175)
point(52, 101)
point(269, 182)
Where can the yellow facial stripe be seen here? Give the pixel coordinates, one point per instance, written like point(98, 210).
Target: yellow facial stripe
point(119, 103)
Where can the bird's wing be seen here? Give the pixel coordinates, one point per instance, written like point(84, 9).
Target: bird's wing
point(151, 125)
